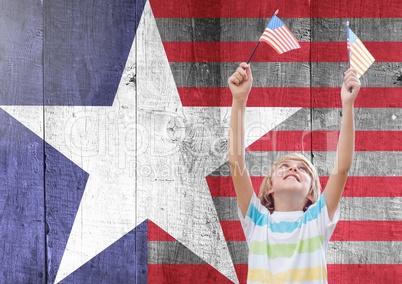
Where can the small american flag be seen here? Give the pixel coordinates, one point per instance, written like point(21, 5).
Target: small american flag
point(360, 58)
point(278, 36)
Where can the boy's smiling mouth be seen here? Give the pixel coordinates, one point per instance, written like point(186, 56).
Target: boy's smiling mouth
point(292, 175)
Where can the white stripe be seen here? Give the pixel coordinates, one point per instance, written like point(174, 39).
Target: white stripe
point(270, 41)
point(352, 208)
point(286, 33)
point(283, 40)
point(278, 41)
point(273, 40)
point(362, 55)
point(364, 253)
point(363, 47)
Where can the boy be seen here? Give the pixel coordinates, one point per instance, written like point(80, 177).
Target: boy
point(288, 228)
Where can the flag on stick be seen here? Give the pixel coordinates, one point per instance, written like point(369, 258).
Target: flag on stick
point(278, 36)
point(359, 58)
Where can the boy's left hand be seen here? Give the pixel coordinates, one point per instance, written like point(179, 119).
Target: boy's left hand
point(350, 82)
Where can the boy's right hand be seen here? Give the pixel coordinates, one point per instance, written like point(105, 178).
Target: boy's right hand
point(240, 82)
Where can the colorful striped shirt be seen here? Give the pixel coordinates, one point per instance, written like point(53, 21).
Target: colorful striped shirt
point(287, 247)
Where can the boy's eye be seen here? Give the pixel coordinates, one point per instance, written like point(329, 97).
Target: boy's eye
point(304, 169)
point(284, 166)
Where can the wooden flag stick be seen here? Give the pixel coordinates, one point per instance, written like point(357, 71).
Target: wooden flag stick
point(347, 25)
point(255, 48)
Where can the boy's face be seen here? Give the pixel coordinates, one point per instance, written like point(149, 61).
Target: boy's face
point(292, 176)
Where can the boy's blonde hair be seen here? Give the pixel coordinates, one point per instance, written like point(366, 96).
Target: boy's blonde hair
point(315, 190)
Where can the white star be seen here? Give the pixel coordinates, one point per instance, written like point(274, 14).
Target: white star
point(146, 156)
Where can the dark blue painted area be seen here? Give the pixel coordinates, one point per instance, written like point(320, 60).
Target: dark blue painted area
point(22, 241)
point(86, 45)
point(65, 185)
point(21, 52)
point(125, 261)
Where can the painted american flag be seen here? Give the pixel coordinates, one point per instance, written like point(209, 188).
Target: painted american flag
point(205, 42)
point(360, 58)
point(278, 36)
point(54, 58)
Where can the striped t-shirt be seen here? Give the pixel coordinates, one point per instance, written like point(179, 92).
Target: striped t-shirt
point(287, 247)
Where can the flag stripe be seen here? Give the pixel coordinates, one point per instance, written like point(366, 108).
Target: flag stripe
point(352, 208)
point(239, 51)
point(290, 97)
point(356, 186)
point(292, 8)
point(350, 273)
point(326, 141)
point(304, 29)
point(156, 234)
point(381, 252)
point(293, 74)
point(258, 163)
point(345, 231)
point(184, 274)
point(171, 252)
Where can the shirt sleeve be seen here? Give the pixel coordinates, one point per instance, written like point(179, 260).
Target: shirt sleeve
point(319, 210)
point(257, 214)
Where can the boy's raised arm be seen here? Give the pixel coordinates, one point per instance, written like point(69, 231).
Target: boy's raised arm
point(240, 85)
point(346, 143)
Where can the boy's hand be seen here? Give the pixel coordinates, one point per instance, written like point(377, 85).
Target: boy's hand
point(240, 82)
point(350, 82)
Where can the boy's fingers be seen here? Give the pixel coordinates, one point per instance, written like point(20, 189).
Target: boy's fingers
point(234, 80)
point(242, 72)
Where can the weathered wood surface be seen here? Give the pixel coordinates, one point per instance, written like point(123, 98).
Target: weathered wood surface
point(103, 143)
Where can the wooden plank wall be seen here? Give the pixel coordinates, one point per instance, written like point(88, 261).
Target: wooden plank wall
point(114, 125)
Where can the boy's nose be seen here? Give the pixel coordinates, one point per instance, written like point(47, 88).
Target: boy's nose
point(292, 168)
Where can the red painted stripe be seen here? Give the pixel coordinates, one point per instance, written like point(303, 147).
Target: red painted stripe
point(231, 52)
point(363, 231)
point(155, 233)
point(356, 9)
point(229, 9)
point(184, 274)
point(326, 141)
point(349, 273)
point(222, 186)
point(265, 9)
point(240, 51)
point(290, 97)
point(364, 273)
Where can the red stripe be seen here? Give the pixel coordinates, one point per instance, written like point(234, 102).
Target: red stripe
point(155, 233)
point(265, 9)
point(364, 273)
point(222, 186)
point(184, 274)
point(326, 141)
point(350, 273)
point(228, 9)
point(239, 51)
point(363, 231)
point(290, 97)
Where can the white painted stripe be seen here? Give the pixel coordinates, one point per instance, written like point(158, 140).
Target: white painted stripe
point(352, 208)
point(341, 252)
point(387, 163)
point(364, 253)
